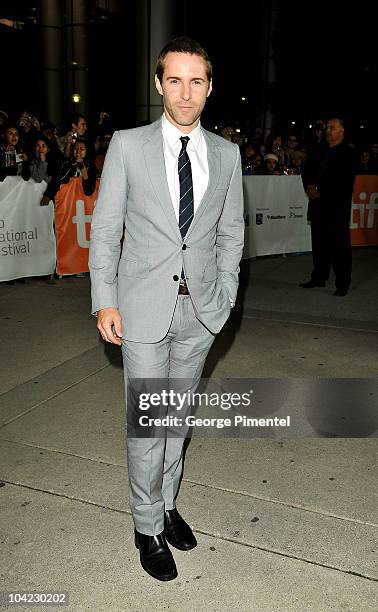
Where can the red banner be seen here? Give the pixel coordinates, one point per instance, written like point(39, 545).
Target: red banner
point(73, 216)
point(364, 219)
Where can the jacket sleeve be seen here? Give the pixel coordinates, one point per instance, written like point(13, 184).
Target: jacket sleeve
point(230, 232)
point(107, 228)
point(89, 185)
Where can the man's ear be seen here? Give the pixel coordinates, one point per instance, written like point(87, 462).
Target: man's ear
point(210, 88)
point(158, 85)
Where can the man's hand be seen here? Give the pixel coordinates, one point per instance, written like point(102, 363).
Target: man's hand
point(312, 192)
point(109, 324)
point(45, 201)
point(84, 172)
point(36, 123)
point(69, 138)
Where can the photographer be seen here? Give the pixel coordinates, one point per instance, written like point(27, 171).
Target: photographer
point(78, 129)
point(29, 127)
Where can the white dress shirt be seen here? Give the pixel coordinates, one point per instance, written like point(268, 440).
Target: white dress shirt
point(197, 152)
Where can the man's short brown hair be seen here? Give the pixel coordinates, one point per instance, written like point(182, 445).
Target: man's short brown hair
point(182, 44)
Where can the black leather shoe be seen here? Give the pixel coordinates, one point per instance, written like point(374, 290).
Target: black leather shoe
point(341, 292)
point(155, 556)
point(177, 531)
point(311, 284)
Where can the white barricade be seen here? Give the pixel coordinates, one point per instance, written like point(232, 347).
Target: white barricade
point(276, 215)
point(27, 240)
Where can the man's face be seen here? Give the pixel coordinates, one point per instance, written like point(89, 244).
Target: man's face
point(11, 136)
point(271, 165)
point(81, 127)
point(48, 133)
point(105, 140)
point(334, 132)
point(228, 133)
point(185, 88)
point(365, 157)
point(257, 161)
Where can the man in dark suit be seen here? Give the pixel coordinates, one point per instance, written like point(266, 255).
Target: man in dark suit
point(330, 192)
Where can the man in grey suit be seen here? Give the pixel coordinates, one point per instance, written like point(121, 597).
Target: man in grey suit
point(175, 190)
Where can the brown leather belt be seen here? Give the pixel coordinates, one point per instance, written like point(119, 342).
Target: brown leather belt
point(183, 289)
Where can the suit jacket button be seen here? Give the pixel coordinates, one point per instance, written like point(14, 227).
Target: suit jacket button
point(175, 278)
point(184, 247)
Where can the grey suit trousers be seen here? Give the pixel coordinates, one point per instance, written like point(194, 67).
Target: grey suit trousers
point(155, 464)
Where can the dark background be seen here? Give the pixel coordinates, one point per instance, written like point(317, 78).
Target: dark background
point(324, 52)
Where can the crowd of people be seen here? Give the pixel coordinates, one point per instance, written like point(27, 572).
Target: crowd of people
point(287, 152)
point(31, 149)
point(41, 151)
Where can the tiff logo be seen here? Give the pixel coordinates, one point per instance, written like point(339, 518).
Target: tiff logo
point(370, 207)
point(81, 219)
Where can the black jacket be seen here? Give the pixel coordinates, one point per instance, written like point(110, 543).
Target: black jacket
point(69, 170)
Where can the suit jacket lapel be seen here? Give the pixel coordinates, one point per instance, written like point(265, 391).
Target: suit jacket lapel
point(154, 156)
point(213, 159)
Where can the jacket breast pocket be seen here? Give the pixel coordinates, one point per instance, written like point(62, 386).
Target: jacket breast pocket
point(133, 267)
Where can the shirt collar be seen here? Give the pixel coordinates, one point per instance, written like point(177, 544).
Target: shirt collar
point(172, 134)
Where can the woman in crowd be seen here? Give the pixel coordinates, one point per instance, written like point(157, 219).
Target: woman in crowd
point(274, 145)
point(247, 152)
point(79, 166)
point(291, 148)
point(296, 162)
point(44, 166)
point(257, 164)
point(50, 131)
point(270, 165)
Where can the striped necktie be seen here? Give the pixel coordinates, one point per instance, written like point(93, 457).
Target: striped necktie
point(186, 209)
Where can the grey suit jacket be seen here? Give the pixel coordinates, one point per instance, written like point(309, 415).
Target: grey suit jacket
point(134, 197)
